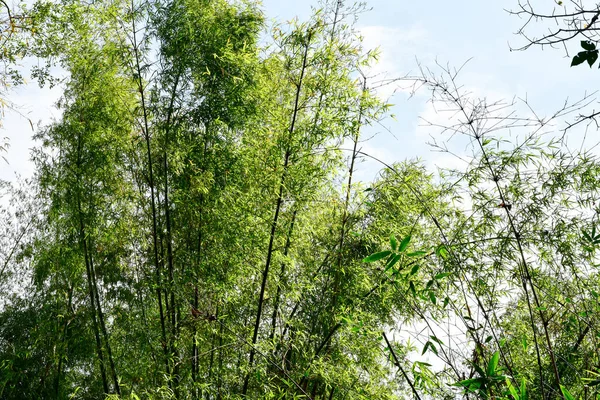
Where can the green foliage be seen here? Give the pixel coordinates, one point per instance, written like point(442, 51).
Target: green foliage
point(484, 384)
point(195, 228)
point(590, 54)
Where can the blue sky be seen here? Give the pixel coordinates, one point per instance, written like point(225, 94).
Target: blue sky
point(447, 31)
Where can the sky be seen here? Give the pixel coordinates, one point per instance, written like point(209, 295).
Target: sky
point(446, 32)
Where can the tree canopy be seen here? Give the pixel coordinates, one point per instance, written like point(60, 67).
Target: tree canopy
point(195, 228)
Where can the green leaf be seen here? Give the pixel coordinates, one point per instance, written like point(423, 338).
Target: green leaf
point(512, 390)
point(470, 384)
point(465, 383)
point(433, 348)
point(567, 395)
point(412, 288)
point(441, 251)
point(479, 370)
point(493, 364)
point(404, 244)
point(430, 346)
point(422, 364)
point(415, 269)
point(579, 58)
point(587, 45)
point(432, 297)
point(498, 378)
point(425, 347)
point(435, 338)
point(417, 253)
point(442, 275)
point(377, 256)
point(393, 261)
point(595, 382)
point(592, 57)
point(523, 390)
point(394, 243)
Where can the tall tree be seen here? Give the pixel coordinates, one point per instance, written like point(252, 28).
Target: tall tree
point(82, 174)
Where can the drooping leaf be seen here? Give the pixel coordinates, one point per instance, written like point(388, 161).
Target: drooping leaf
point(432, 297)
point(425, 347)
point(592, 57)
point(393, 261)
point(579, 58)
point(431, 346)
point(436, 339)
point(412, 288)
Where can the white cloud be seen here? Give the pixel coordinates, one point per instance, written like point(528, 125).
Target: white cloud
point(396, 47)
point(379, 35)
point(32, 106)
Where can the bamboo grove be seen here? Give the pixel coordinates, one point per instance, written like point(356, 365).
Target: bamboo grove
point(195, 228)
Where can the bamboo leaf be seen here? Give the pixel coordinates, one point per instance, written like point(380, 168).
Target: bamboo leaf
point(394, 243)
point(567, 395)
point(404, 244)
point(493, 364)
point(377, 256)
